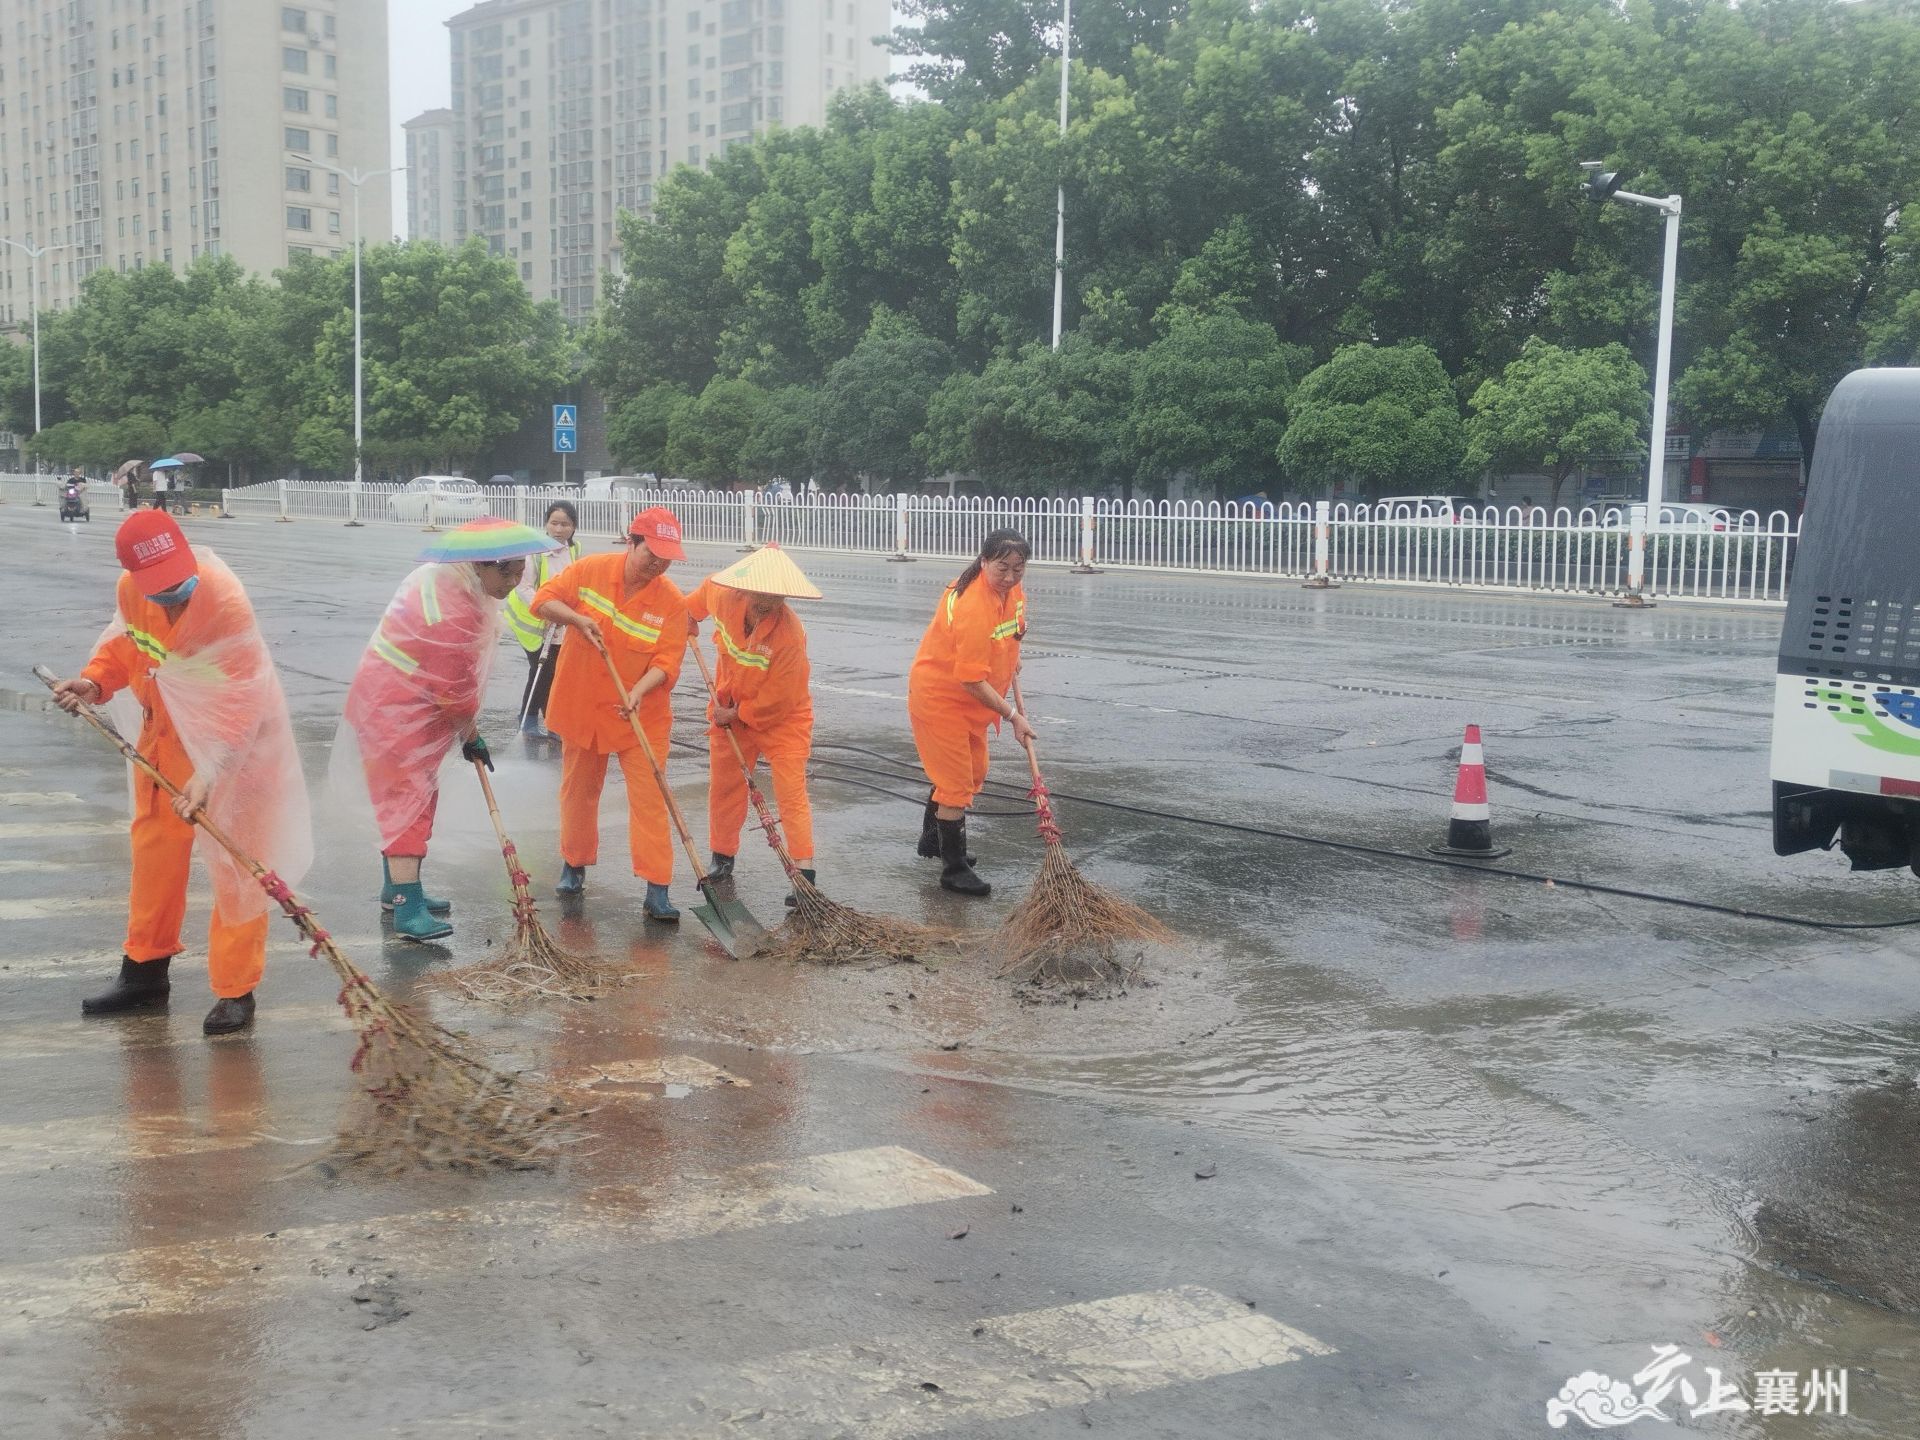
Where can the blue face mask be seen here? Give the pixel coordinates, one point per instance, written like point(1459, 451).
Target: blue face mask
point(178, 594)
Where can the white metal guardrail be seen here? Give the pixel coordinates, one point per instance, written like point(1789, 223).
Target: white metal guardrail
point(1737, 556)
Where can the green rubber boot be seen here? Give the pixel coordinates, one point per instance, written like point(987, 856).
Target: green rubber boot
point(390, 892)
point(412, 920)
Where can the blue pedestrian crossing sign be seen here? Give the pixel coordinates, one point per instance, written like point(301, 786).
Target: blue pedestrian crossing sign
point(566, 429)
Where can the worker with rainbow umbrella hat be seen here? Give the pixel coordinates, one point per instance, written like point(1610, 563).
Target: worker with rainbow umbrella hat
point(418, 690)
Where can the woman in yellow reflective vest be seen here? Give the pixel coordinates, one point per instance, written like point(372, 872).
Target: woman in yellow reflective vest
point(540, 640)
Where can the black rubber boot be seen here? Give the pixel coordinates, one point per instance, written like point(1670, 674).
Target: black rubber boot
point(721, 868)
point(792, 899)
point(229, 1015)
point(142, 985)
point(956, 873)
point(929, 831)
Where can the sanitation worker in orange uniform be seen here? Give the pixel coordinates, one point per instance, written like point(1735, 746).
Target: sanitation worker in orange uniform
point(761, 695)
point(186, 660)
point(623, 605)
point(958, 687)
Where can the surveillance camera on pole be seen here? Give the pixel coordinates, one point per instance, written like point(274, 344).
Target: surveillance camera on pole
point(1602, 185)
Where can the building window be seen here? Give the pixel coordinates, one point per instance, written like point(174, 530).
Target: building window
point(333, 184)
point(299, 218)
point(299, 179)
point(292, 19)
point(294, 60)
point(333, 222)
point(329, 66)
point(333, 107)
point(333, 146)
point(292, 99)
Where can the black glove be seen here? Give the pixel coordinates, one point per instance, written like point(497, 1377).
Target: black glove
point(476, 751)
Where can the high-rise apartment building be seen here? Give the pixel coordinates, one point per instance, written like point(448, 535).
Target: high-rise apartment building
point(430, 210)
point(569, 111)
point(152, 132)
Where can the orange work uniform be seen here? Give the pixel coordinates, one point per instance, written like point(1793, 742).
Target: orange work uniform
point(645, 629)
point(974, 635)
point(765, 673)
point(162, 841)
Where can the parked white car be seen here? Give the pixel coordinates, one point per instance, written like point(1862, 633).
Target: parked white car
point(455, 500)
point(1427, 509)
point(1684, 517)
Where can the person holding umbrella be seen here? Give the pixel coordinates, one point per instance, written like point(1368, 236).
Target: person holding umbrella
point(542, 641)
point(163, 472)
point(418, 690)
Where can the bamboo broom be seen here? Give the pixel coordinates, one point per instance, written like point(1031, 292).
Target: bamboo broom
point(431, 1101)
point(820, 930)
point(533, 964)
point(1067, 930)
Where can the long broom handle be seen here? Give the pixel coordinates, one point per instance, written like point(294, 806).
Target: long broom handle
point(768, 823)
point(632, 713)
point(1042, 799)
point(533, 680)
point(508, 851)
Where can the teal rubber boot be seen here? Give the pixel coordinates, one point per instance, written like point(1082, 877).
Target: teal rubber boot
point(390, 892)
point(658, 906)
point(412, 920)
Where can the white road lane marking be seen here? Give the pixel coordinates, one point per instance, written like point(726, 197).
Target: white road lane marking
point(62, 964)
point(863, 694)
point(60, 829)
point(33, 867)
point(54, 907)
point(181, 1279)
point(955, 1381)
point(38, 797)
point(44, 1039)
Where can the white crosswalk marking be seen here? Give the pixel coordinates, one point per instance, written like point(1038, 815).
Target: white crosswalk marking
point(59, 829)
point(34, 867)
point(999, 1369)
point(179, 1279)
point(52, 907)
point(38, 797)
point(44, 1039)
point(101, 961)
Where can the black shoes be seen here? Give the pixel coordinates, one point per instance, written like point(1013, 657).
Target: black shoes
point(721, 868)
point(930, 832)
point(956, 871)
point(142, 985)
point(793, 899)
point(226, 1016)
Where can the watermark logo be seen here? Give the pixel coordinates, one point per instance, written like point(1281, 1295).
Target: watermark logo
point(1601, 1402)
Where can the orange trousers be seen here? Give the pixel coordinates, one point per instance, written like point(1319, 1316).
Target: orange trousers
point(785, 749)
point(157, 903)
point(583, 775)
point(953, 752)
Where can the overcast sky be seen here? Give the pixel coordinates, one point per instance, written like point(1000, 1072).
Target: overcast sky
point(417, 46)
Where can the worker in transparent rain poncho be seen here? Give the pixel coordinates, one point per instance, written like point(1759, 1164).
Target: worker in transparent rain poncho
point(185, 665)
point(417, 693)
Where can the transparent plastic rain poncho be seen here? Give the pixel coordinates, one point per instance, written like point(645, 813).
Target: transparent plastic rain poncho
point(224, 698)
point(417, 690)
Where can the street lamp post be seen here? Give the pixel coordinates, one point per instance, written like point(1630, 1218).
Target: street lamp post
point(356, 178)
point(1602, 186)
point(33, 254)
point(1060, 195)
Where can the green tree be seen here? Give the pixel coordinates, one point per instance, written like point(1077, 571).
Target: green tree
point(1558, 409)
point(1042, 421)
point(705, 438)
point(781, 441)
point(1380, 417)
point(638, 431)
point(1209, 401)
point(875, 401)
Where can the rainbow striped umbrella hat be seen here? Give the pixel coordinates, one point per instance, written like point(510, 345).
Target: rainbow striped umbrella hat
point(488, 538)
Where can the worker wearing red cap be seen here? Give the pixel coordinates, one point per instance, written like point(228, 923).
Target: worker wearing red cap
point(186, 654)
point(624, 606)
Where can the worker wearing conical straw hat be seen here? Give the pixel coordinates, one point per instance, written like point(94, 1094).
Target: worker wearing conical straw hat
point(624, 607)
point(958, 687)
point(418, 690)
point(185, 658)
point(762, 694)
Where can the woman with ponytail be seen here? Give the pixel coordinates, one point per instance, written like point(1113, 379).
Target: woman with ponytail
point(958, 687)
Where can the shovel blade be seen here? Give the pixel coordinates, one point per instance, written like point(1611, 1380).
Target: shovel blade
point(729, 922)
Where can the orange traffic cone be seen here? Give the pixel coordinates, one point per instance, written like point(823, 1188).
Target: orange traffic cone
point(1470, 831)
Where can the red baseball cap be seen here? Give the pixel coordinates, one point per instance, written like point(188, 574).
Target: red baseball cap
point(660, 528)
point(153, 550)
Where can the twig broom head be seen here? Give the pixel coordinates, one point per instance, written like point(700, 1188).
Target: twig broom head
point(1067, 931)
point(533, 965)
point(825, 932)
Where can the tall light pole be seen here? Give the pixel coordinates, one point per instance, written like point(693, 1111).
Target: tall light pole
point(1602, 186)
point(1060, 195)
point(33, 254)
point(356, 178)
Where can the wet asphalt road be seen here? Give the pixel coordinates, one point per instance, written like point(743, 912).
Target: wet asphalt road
point(1465, 1135)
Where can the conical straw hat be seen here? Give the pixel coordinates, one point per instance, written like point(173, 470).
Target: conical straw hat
point(768, 571)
